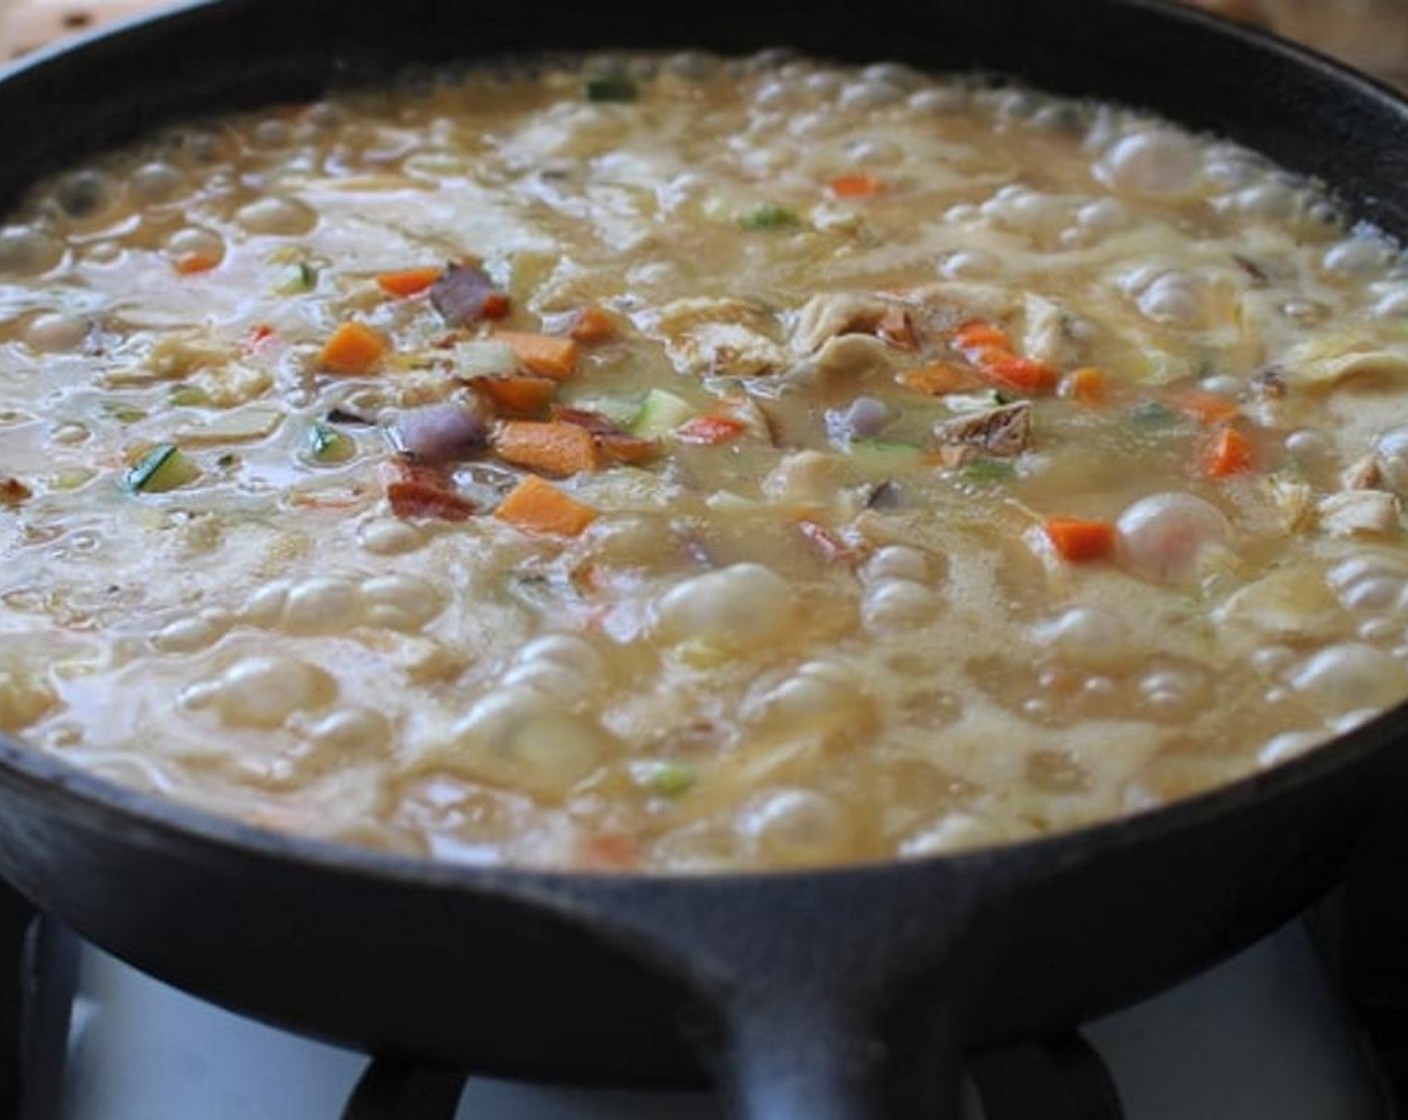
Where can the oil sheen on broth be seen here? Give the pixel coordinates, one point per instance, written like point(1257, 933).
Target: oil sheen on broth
point(682, 463)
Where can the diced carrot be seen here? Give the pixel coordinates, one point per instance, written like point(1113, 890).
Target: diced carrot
point(938, 379)
point(1088, 386)
point(1206, 408)
point(855, 186)
point(542, 353)
point(496, 306)
point(710, 430)
point(592, 324)
point(541, 507)
point(523, 396)
point(552, 447)
point(1021, 375)
point(407, 281)
point(622, 448)
point(259, 335)
point(978, 334)
point(188, 264)
point(1231, 453)
point(353, 348)
point(1077, 541)
point(614, 444)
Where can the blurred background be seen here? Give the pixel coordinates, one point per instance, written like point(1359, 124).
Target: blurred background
point(1371, 34)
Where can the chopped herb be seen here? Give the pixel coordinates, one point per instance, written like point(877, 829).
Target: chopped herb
point(1152, 414)
point(615, 85)
point(1255, 273)
point(227, 461)
point(346, 416)
point(538, 591)
point(189, 396)
point(770, 216)
point(670, 778)
point(988, 470)
point(161, 469)
point(328, 446)
point(887, 495)
point(296, 279)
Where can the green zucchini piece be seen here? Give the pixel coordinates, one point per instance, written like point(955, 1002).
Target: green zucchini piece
point(660, 413)
point(162, 468)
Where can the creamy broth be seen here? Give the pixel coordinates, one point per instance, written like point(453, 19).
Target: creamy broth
point(686, 464)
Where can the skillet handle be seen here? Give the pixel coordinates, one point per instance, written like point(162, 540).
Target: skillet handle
point(815, 1054)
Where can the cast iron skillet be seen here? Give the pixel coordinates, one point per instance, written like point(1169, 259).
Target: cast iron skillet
point(837, 994)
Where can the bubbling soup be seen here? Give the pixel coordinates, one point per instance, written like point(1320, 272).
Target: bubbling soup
point(680, 463)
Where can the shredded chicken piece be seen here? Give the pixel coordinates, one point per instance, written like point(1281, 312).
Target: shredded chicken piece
point(1360, 513)
point(1005, 431)
point(851, 355)
point(1295, 503)
point(176, 355)
point(1046, 338)
point(231, 384)
point(829, 316)
point(719, 336)
point(683, 315)
point(1366, 474)
point(806, 476)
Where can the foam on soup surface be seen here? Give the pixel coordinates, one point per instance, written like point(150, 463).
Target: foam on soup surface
point(680, 464)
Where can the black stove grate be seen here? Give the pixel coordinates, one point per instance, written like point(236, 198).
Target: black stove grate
point(1058, 1078)
point(397, 1089)
point(16, 922)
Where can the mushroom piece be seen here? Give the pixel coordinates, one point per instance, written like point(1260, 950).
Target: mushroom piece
point(1005, 431)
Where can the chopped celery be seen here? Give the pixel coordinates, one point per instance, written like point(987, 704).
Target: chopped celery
point(614, 85)
point(296, 279)
point(665, 776)
point(484, 359)
point(770, 216)
point(883, 455)
point(189, 396)
point(540, 592)
point(325, 445)
point(1152, 414)
point(700, 654)
point(161, 469)
point(980, 401)
point(988, 470)
point(659, 414)
point(624, 412)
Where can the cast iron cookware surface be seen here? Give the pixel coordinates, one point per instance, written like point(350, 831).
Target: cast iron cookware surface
point(843, 993)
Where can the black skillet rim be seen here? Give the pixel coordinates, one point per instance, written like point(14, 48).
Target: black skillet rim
point(150, 817)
